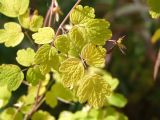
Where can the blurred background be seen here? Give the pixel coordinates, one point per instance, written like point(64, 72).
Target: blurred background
point(129, 18)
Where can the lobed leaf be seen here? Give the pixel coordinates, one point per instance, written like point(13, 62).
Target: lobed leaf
point(44, 35)
point(72, 71)
point(13, 8)
point(11, 35)
point(81, 14)
point(25, 57)
point(62, 43)
point(34, 75)
point(11, 76)
point(93, 89)
point(47, 58)
point(94, 55)
point(32, 22)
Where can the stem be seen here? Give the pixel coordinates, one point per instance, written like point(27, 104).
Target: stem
point(30, 39)
point(51, 13)
point(34, 108)
point(65, 19)
point(157, 65)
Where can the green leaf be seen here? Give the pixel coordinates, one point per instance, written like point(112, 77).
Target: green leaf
point(51, 99)
point(13, 8)
point(42, 115)
point(44, 35)
point(97, 31)
point(72, 70)
point(65, 115)
point(34, 75)
point(25, 57)
point(81, 15)
point(11, 35)
point(62, 43)
point(156, 36)
point(154, 15)
point(93, 89)
point(11, 114)
point(47, 58)
point(94, 55)
point(154, 5)
point(61, 92)
point(4, 96)
point(117, 100)
point(32, 23)
point(11, 76)
point(77, 38)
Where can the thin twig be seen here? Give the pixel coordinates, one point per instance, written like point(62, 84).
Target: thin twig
point(157, 65)
point(65, 19)
point(30, 39)
point(34, 108)
point(51, 13)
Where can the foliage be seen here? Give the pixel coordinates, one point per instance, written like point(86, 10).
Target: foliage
point(67, 67)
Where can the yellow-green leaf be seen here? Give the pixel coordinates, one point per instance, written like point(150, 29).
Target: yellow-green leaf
point(77, 38)
point(10, 113)
point(154, 15)
point(32, 23)
point(61, 92)
point(34, 75)
point(47, 58)
point(44, 35)
point(94, 55)
point(11, 76)
point(13, 8)
point(25, 57)
point(156, 36)
point(81, 15)
point(62, 43)
point(51, 99)
point(97, 32)
point(93, 89)
point(4, 96)
point(11, 35)
point(117, 100)
point(72, 71)
point(42, 115)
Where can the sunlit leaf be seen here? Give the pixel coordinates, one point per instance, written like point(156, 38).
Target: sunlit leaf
point(94, 55)
point(61, 92)
point(81, 14)
point(4, 96)
point(44, 35)
point(42, 115)
point(62, 43)
point(154, 5)
point(93, 89)
point(25, 57)
point(51, 99)
point(11, 35)
point(11, 114)
point(13, 8)
point(72, 70)
point(117, 100)
point(11, 76)
point(32, 22)
point(34, 75)
point(47, 58)
point(154, 15)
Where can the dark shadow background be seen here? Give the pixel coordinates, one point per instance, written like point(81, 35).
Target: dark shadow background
point(134, 70)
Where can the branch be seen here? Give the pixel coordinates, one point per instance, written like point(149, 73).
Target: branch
point(157, 65)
